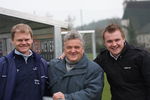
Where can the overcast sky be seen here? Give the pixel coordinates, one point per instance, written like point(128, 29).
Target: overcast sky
point(84, 11)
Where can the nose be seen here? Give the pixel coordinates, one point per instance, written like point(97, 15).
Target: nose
point(73, 50)
point(114, 43)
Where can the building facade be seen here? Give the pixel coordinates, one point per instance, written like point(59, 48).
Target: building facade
point(137, 22)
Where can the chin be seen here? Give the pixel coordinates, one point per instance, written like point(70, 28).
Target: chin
point(116, 54)
point(73, 60)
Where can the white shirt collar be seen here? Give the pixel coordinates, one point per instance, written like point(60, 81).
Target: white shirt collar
point(23, 55)
point(115, 57)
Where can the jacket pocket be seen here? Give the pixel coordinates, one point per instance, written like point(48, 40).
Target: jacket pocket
point(131, 73)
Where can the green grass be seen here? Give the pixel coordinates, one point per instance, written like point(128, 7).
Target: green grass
point(106, 91)
point(90, 56)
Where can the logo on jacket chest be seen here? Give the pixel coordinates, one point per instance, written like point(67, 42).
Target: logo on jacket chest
point(127, 67)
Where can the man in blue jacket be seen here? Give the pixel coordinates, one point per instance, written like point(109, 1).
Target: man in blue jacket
point(75, 77)
point(23, 73)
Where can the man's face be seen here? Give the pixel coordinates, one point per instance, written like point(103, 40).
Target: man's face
point(73, 50)
point(114, 42)
point(22, 42)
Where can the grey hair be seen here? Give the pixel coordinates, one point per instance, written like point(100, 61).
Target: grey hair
point(74, 35)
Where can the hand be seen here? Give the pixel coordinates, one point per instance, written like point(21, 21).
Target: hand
point(58, 96)
point(62, 56)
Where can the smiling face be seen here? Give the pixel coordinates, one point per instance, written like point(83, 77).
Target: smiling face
point(73, 50)
point(22, 42)
point(114, 42)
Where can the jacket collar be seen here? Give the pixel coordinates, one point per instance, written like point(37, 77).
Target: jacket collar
point(81, 63)
point(126, 47)
point(78, 68)
point(12, 54)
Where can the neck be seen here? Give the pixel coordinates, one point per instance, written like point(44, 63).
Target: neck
point(114, 56)
point(70, 63)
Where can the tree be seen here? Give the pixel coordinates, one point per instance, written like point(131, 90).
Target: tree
point(70, 21)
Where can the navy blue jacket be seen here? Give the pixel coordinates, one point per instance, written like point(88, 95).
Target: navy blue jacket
point(83, 82)
point(8, 75)
point(129, 75)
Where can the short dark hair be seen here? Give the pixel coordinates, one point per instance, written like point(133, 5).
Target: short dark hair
point(112, 28)
point(23, 28)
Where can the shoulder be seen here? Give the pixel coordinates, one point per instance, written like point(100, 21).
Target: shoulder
point(5, 59)
point(3, 62)
point(2, 59)
point(137, 50)
point(103, 51)
point(39, 58)
point(55, 61)
point(43, 60)
point(40, 61)
point(102, 54)
point(94, 66)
